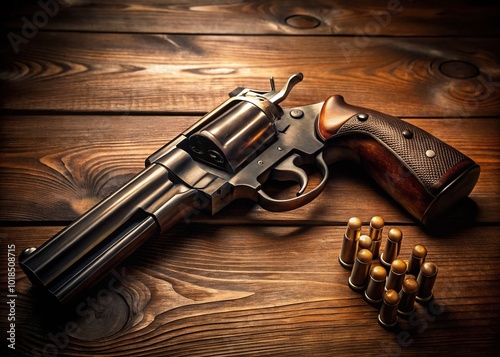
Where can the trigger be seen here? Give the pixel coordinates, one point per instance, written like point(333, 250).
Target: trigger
point(287, 170)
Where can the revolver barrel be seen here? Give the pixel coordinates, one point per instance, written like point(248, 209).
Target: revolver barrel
point(87, 250)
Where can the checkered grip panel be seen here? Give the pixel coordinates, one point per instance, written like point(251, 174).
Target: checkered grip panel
point(389, 130)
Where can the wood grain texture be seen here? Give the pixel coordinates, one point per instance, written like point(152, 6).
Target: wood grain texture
point(186, 73)
point(94, 88)
point(265, 290)
point(293, 17)
point(75, 161)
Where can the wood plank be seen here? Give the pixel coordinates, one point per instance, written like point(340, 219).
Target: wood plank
point(98, 86)
point(54, 168)
point(323, 17)
point(181, 73)
point(240, 290)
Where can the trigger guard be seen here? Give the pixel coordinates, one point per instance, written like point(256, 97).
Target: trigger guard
point(277, 205)
point(288, 170)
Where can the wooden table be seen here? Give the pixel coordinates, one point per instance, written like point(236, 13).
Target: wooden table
point(89, 90)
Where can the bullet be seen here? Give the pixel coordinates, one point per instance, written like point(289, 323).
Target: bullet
point(396, 275)
point(365, 242)
point(407, 296)
point(360, 270)
point(375, 289)
point(392, 247)
point(388, 316)
point(426, 279)
point(349, 245)
point(417, 258)
point(375, 233)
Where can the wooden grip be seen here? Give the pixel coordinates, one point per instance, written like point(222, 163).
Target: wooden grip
point(422, 173)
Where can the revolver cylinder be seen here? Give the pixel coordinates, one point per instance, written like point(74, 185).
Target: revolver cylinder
point(235, 136)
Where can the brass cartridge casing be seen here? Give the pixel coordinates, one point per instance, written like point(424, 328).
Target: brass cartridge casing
point(407, 296)
point(360, 270)
point(375, 233)
point(388, 316)
point(417, 258)
point(375, 289)
point(392, 247)
point(426, 280)
point(365, 242)
point(349, 245)
point(396, 275)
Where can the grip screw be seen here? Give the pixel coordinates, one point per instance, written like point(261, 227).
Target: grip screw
point(430, 153)
point(408, 134)
point(296, 113)
point(362, 116)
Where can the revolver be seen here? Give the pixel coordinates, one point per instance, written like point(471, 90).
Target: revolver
point(229, 154)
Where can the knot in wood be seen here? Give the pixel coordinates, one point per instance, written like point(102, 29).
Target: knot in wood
point(302, 21)
point(459, 69)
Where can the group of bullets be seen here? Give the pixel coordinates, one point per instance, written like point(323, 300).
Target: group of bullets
point(397, 290)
